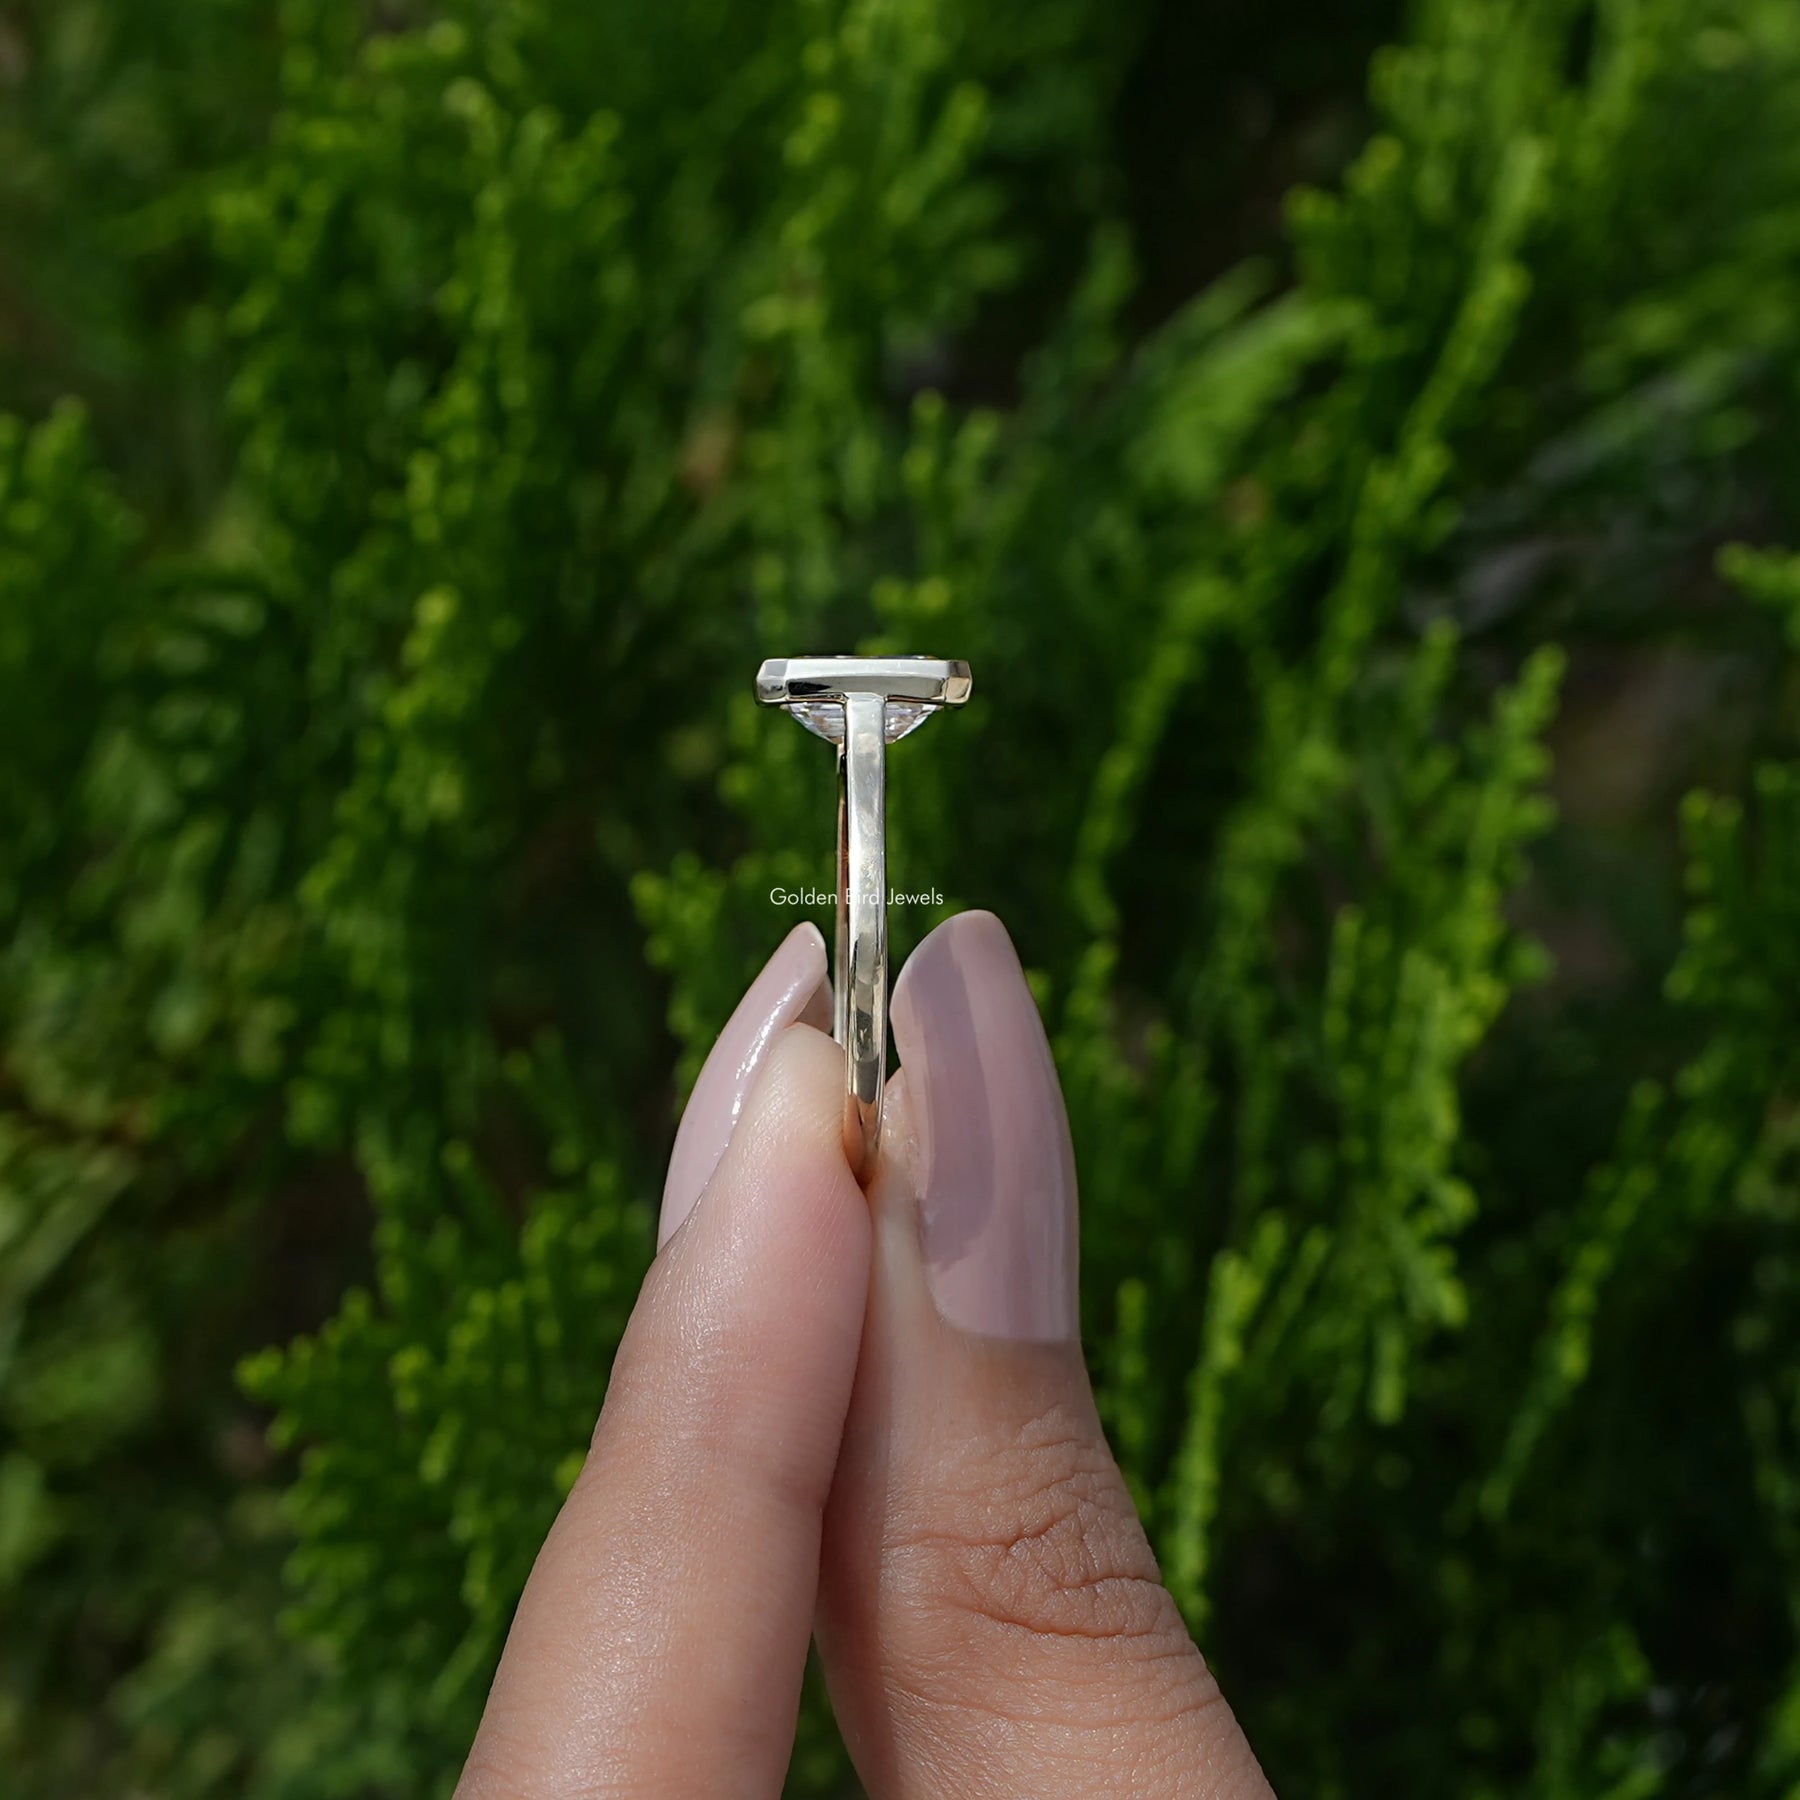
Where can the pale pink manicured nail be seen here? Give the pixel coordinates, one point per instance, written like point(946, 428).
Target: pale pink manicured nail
point(792, 987)
point(994, 1167)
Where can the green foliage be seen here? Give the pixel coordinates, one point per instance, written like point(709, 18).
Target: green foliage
point(386, 828)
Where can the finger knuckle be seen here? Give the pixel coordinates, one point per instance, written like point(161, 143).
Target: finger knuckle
point(1041, 1539)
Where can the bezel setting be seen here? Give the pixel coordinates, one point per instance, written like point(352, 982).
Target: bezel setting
point(814, 689)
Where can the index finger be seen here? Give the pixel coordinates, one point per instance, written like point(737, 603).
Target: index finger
point(661, 1640)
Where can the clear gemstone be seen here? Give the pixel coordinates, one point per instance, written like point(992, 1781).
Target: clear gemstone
point(825, 718)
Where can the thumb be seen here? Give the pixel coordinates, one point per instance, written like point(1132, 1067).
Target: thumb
point(991, 1614)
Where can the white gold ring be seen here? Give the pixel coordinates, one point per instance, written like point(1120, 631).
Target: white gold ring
point(862, 704)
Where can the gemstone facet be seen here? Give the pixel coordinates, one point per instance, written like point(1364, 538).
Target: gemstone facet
point(825, 718)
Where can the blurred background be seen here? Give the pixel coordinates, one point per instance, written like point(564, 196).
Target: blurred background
point(1355, 444)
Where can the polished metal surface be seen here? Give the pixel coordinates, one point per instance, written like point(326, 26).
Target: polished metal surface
point(862, 704)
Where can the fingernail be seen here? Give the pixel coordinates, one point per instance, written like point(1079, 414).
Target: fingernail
point(791, 988)
point(992, 1161)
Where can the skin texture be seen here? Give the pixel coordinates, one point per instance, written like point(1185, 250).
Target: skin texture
point(868, 1411)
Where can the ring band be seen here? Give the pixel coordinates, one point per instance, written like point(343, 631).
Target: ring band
point(862, 704)
point(860, 1009)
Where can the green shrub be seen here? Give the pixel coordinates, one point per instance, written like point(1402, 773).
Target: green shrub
point(385, 826)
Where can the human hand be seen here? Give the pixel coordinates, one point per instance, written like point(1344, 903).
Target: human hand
point(868, 1412)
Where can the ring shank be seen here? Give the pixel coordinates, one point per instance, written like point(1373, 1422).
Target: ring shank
point(860, 1002)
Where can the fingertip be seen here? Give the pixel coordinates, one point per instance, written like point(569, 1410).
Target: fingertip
point(974, 933)
point(989, 1154)
point(792, 986)
point(796, 1103)
point(783, 1200)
